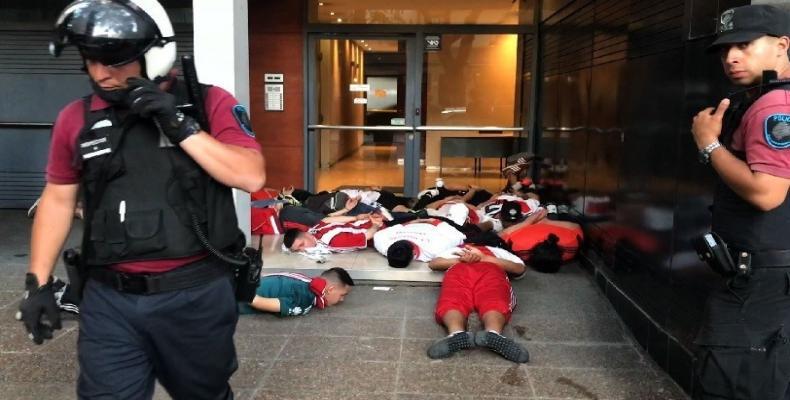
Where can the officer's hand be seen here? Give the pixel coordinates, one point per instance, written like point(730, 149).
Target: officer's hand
point(706, 126)
point(148, 100)
point(38, 311)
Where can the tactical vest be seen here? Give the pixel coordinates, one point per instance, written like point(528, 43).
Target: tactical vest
point(144, 198)
point(741, 225)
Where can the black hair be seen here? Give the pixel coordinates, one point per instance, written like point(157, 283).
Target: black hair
point(290, 237)
point(339, 275)
point(400, 254)
point(546, 256)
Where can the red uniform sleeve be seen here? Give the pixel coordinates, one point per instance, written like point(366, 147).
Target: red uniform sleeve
point(766, 135)
point(63, 167)
point(224, 123)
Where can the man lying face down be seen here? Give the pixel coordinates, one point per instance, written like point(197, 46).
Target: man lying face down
point(291, 293)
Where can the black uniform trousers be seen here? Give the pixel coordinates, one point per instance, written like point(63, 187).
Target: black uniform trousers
point(183, 338)
point(743, 350)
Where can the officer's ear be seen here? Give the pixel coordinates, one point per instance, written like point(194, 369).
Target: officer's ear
point(783, 46)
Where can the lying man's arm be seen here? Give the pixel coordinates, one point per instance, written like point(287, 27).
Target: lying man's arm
point(442, 264)
point(266, 304)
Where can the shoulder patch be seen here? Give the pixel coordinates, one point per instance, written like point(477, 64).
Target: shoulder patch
point(777, 131)
point(243, 119)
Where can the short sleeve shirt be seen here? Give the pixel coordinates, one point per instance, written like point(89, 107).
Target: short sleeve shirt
point(63, 166)
point(431, 238)
point(342, 236)
point(764, 134)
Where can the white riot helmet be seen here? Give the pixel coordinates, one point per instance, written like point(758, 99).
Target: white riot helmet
point(117, 32)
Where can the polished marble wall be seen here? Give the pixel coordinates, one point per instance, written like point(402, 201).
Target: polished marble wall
point(621, 82)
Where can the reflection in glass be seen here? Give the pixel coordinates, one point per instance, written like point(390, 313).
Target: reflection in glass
point(409, 12)
point(359, 83)
point(470, 81)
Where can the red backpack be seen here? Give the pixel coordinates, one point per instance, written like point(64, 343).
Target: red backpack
point(265, 220)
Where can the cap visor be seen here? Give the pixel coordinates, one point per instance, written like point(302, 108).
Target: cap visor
point(734, 37)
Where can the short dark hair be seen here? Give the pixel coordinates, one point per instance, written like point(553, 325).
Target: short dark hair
point(546, 256)
point(290, 237)
point(400, 254)
point(338, 274)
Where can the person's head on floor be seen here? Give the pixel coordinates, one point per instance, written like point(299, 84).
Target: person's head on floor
point(400, 254)
point(510, 213)
point(338, 285)
point(296, 240)
point(546, 256)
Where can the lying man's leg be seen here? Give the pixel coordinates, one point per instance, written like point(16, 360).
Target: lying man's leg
point(458, 338)
point(492, 338)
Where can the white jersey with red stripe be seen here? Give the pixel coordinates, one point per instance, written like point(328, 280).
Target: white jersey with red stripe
point(342, 236)
point(431, 238)
point(487, 250)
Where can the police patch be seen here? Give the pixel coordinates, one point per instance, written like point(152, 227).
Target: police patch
point(240, 113)
point(777, 131)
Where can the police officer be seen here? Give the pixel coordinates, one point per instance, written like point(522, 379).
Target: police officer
point(742, 346)
point(158, 303)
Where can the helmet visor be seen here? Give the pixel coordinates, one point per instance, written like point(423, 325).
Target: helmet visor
point(104, 30)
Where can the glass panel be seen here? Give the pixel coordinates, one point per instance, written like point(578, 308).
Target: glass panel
point(470, 81)
point(376, 160)
point(360, 82)
point(420, 12)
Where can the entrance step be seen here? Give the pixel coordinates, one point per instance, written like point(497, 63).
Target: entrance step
point(361, 265)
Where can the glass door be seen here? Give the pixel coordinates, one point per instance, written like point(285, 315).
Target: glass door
point(399, 112)
point(472, 102)
point(360, 112)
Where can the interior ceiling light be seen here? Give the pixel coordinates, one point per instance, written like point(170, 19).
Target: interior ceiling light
point(331, 13)
point(340, 20)
point(321, 4)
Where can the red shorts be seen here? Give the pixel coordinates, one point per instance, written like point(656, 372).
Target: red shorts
point(479, 286)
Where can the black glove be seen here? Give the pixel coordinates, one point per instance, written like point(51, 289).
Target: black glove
point(39, 302)
point(148, 100)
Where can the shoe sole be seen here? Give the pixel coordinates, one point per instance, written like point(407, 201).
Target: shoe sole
point(454, 344)
point(503, 346)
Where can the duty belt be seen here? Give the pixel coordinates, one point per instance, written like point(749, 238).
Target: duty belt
point(195, 274)
point(765, 258)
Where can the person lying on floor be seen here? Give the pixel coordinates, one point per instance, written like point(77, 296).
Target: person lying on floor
point(477, 280)
point(544, 240)
point(420, 239)
point(468, 193)
point(327, 202)
point(341, 236)
point(291, 293)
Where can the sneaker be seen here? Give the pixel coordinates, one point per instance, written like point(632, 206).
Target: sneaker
point(444, 348)
point(503, 346)
point(385, 213)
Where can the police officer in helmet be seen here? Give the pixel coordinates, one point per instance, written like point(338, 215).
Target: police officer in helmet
point(158, 301)
point(742, 345)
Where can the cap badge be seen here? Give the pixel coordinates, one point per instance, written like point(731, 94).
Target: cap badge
point(725, 23)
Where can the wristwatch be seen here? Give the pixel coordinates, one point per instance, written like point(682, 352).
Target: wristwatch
point(705, 152)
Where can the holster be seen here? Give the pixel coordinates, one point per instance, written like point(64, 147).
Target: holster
point(72, 259)
point(712, 250)
point(248, 275)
